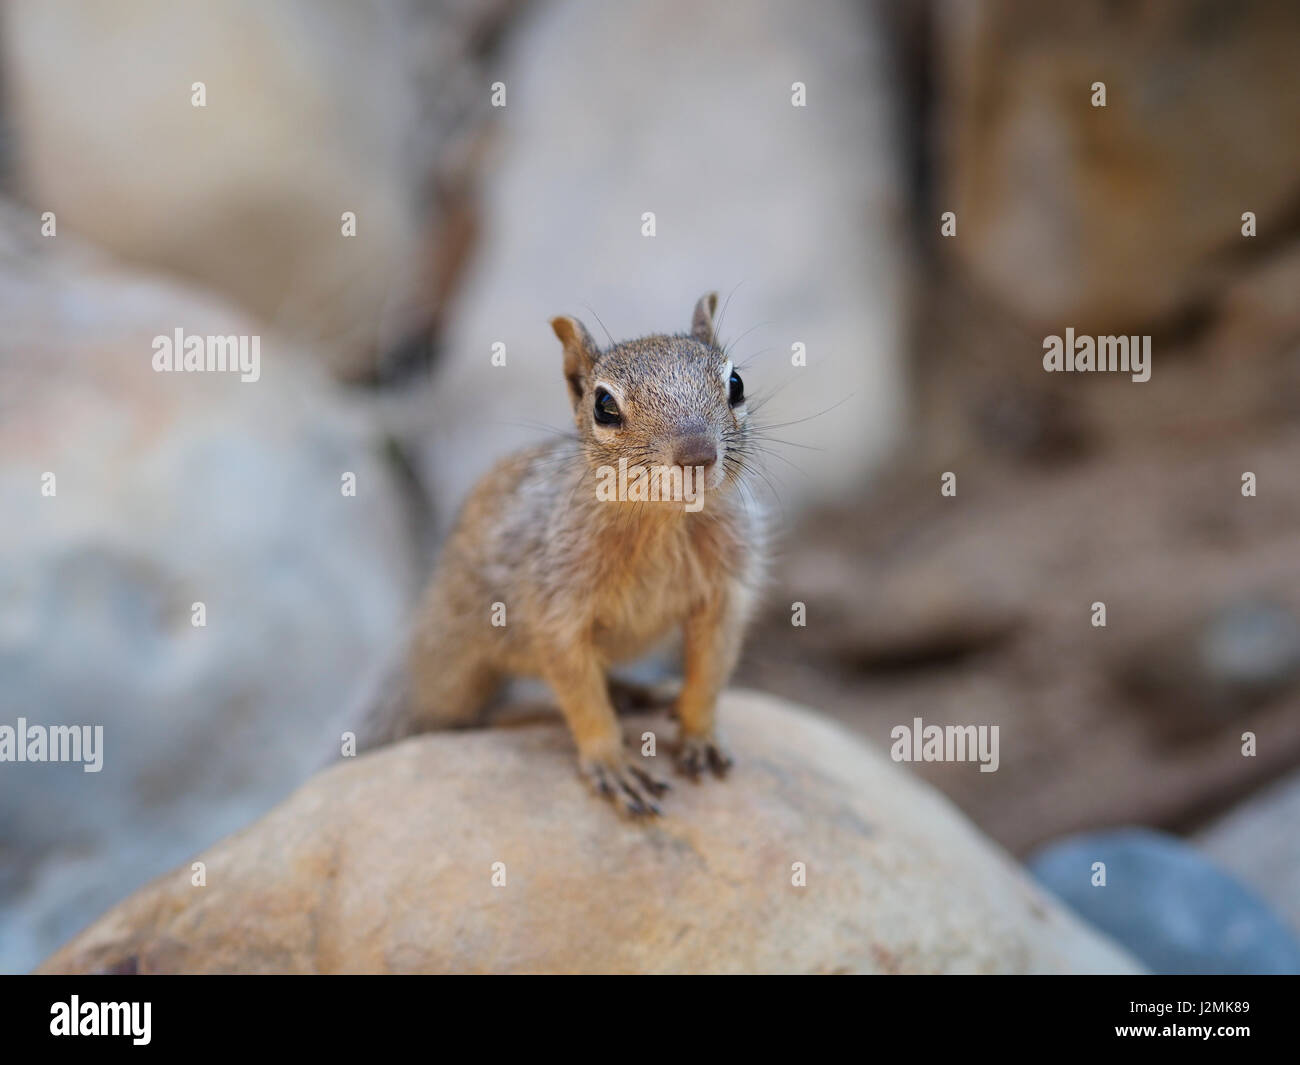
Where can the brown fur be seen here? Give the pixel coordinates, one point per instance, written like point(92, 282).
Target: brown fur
point(588, 583)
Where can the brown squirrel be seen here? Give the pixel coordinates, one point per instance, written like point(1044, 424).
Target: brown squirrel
point(545, 575)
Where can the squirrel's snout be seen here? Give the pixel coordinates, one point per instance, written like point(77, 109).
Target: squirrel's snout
point(695, 451)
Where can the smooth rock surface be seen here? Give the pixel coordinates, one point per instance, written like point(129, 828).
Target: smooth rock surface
point(385, 864)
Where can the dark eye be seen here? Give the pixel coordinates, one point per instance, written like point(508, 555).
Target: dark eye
point(737, 389)
point(606, 409)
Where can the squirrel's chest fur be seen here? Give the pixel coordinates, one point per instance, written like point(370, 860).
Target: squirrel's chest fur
point(625, 575)
point(621, 575)
point(661, 569)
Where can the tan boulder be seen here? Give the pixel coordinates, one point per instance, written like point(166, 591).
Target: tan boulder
point(386, 864)
point(1110, 217)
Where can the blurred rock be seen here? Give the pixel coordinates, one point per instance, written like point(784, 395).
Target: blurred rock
point(1238, 656)
point(171, 489)
point(1110, 217)
point(313, 109)
point(914, 617)
point(1259, 842)
point(1258, 315)
point(386, 865)
point(793, 214)
point(1253, 648)
point(1168, 905)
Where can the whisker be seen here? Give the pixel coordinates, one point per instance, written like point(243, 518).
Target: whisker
point(722, 315)
point(608, 334)
point(810, 417)
point(749, 359)
point(728, 349)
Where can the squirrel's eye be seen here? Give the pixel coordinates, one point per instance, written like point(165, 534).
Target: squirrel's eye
point(737, 388)
point(606, 409)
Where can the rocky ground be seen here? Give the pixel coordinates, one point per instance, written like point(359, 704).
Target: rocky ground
point(957, 614)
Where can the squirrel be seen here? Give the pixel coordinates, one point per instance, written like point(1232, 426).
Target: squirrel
point(548, 572)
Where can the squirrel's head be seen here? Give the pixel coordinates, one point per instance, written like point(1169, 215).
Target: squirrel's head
point(665, 401)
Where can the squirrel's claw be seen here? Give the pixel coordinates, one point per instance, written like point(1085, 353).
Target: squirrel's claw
point(630, 787)
point(697, 753)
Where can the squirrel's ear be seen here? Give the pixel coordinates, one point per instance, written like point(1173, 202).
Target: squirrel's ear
point(702, 319)
point(580, 352)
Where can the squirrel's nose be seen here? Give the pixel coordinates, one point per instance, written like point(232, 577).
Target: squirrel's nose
point(696, 451)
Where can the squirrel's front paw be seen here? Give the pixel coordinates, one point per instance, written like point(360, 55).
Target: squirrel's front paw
point(697, 753)
point(628, 786)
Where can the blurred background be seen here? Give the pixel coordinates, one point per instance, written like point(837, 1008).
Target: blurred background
point(820, 226)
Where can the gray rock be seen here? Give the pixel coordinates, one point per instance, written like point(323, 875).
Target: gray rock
point(1218, 665)
point(171, 489)
point(1252, 647)
point(1167, 904)
point(1260, 842)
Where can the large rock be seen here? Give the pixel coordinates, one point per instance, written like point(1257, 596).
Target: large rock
point(171, 489)
point(386, 865)
point(793, 214)
point(313, 109)
point(1105, 218)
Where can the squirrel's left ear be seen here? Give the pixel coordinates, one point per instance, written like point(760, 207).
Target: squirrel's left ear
point(702, 319)
point(580, 353)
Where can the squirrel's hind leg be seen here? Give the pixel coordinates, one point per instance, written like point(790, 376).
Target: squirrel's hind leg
point(425, 694)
